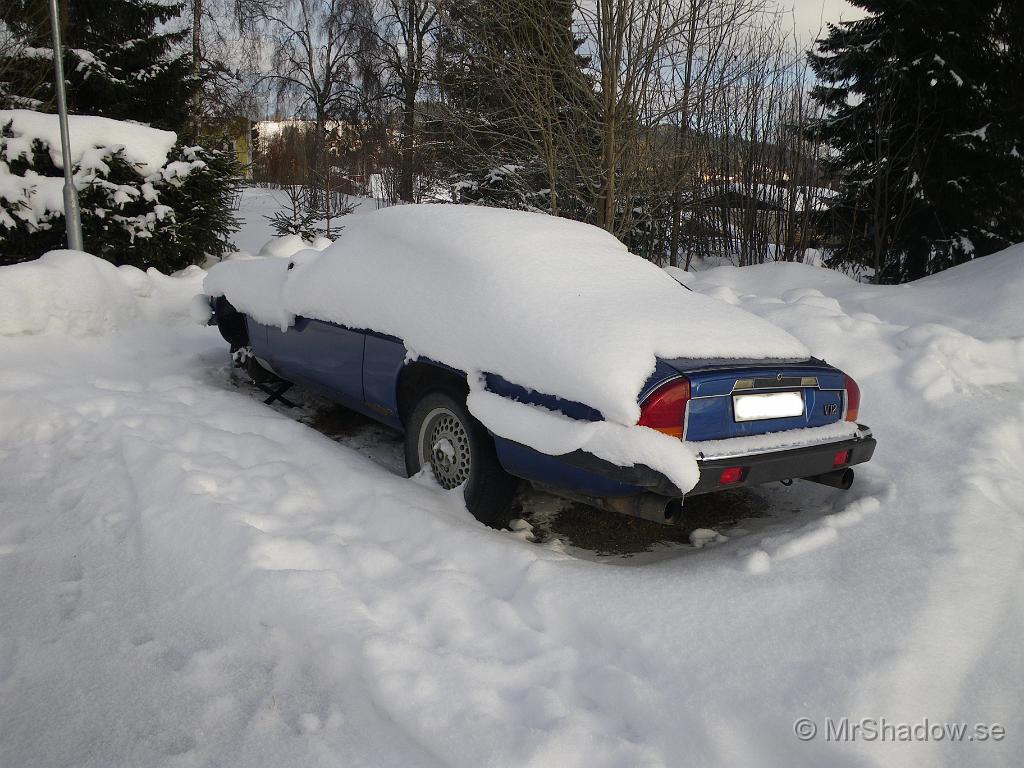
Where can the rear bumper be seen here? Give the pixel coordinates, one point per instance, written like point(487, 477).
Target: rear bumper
point(755, 468)
point(792, 464)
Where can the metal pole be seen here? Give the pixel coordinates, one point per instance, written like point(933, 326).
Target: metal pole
point(72, 216)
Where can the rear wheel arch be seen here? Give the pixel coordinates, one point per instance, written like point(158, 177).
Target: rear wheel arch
point(417, 379)
point(428, 388)
point(463, 456)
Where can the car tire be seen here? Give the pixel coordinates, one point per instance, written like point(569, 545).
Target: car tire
point(231, 323)
point(441, 431)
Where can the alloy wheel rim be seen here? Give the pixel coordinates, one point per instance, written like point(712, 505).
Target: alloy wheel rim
point(444, 445)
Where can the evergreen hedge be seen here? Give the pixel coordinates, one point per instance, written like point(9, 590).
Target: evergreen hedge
point(177, 216)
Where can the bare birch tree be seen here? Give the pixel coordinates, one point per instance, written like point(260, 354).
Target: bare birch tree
point(404, 31)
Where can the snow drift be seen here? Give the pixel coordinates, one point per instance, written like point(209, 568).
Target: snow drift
point(192, 578)
point(981, 297)
point(74, 293)
point(547, 303)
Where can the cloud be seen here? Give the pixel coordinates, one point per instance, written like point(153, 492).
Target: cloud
point(811, 15)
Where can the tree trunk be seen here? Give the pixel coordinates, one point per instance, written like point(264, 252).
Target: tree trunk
point(197, 57)
point(407, 179)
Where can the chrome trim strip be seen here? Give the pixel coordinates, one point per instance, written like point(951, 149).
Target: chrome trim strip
point(646, 393)
point(730, 394)
point(862, 432)
point(805, 382)
point(661, 382)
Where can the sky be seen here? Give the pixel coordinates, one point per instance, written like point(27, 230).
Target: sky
point(810, 15)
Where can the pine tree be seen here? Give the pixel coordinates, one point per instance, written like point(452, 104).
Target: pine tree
point(120, 60)
point(925, 116)
point(300, 217)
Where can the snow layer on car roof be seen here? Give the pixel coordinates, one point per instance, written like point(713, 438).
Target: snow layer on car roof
point(551, 304)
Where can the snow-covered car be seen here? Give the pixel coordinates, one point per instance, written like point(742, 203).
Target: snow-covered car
point(515, 346)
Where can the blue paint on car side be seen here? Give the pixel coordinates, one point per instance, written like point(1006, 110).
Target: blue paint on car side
point(324, 356)
point(663, 372)
point(257, 334)
point(570, 408)
point(383, 360)
point(362, 369)
point(555, 473)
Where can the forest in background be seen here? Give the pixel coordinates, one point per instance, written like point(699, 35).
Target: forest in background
point(687, 128)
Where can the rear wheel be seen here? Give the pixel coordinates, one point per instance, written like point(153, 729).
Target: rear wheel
point(442, 434)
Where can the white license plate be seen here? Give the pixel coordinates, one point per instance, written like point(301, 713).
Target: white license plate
point(773, 405)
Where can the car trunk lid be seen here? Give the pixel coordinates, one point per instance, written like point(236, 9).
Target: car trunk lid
point(740, 398)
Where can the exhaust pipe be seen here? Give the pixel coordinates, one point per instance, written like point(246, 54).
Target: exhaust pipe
point(649, 506)
point(840, 478)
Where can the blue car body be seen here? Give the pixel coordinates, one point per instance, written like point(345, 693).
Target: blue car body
point(363, 370)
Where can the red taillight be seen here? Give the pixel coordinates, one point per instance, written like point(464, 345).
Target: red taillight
point(665, 407)
point(841, 457)
point(852, 398)
point(730, 475)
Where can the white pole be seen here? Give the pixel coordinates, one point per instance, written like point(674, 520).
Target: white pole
point(72, 217)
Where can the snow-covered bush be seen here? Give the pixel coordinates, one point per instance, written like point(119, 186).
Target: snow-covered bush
point(146, 199)
point(505, 186)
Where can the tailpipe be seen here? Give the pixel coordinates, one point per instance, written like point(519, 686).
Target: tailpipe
point(649, 506)
point(840, 478)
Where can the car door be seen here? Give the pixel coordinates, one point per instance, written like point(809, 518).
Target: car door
point(322, 356)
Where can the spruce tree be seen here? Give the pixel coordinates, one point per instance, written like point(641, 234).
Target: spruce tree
point(924, 115)
point(121, 60)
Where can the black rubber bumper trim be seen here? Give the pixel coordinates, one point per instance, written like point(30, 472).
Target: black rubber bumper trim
point(791, 464)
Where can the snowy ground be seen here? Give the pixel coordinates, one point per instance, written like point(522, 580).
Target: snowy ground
point(192, 578)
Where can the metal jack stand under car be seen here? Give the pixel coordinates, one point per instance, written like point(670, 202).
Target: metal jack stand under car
point(273, 386)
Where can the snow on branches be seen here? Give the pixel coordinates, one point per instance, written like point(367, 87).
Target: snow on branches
point(137, 188)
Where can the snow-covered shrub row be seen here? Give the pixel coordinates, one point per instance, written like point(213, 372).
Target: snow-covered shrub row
point(74, 293)
point(146, 199)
